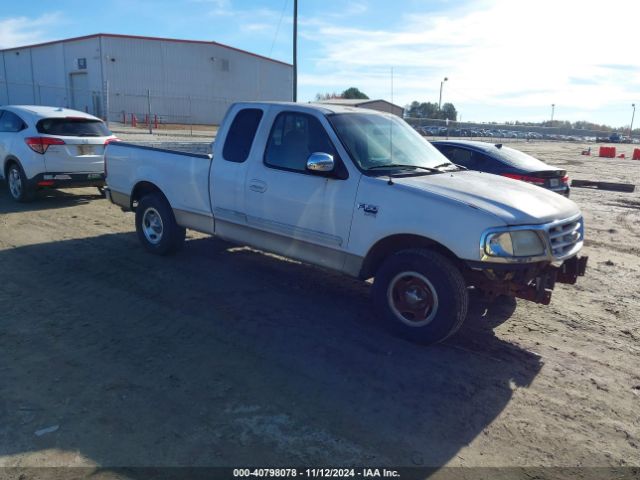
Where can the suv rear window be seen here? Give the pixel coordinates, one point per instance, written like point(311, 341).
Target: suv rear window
point(73, 127)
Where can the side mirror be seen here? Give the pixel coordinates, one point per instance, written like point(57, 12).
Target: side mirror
point(320, 162)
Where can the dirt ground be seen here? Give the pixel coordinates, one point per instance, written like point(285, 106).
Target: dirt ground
point(225, 356)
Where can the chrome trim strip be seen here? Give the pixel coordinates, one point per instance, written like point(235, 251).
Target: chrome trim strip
point(295, 232)
point(121, 199)
point(195, 221)
point(290, 247)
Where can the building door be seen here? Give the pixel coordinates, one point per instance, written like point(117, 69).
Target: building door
point(80, 94)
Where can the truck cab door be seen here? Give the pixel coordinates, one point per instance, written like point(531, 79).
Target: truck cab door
point(294, 211)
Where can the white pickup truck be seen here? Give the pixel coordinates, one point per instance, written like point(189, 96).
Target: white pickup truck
point(362, 193)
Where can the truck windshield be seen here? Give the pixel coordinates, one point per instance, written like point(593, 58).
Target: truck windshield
point(378, 142)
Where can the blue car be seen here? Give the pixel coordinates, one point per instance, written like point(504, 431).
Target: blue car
point(505, 161)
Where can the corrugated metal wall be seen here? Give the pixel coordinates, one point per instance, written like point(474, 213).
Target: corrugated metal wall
point(188, 82)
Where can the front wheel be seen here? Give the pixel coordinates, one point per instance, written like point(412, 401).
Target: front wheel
point(156, 225)
point(18, 185)
point(422, 295)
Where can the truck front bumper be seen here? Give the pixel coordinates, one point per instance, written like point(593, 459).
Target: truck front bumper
point(533, 282)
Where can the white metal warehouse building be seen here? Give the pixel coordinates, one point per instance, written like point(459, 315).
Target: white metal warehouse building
point(177, 81)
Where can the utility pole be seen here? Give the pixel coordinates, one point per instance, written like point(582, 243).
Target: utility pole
point(632, 117)
point(295, 50)
point(553, 107)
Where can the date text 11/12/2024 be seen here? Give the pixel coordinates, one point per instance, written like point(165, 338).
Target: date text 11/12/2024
point(316, 472)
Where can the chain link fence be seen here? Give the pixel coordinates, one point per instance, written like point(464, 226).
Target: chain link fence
point(150, 111)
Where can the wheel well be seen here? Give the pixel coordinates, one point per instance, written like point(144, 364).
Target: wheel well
point(140, 190)
point(396, 243)
point(7, 163)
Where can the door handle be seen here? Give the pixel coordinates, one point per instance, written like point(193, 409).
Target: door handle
point(258, 186)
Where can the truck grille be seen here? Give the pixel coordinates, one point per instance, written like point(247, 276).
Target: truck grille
point(566, 238)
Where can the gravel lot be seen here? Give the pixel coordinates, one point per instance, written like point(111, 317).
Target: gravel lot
point(226, 356)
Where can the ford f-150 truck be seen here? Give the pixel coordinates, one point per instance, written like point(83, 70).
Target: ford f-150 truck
point(362, 193)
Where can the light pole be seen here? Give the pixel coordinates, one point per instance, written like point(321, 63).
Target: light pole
point(440, 101)
point(553, 108)
point(295, 50)
point(632, 117)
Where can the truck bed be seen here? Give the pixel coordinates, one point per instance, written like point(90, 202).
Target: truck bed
point(182, 177)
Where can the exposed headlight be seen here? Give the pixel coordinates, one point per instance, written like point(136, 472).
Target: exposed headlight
point(518, 243)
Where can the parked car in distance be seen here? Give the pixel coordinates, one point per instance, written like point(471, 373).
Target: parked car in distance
point(362, 193)
point(505, 161)
point(50, 147)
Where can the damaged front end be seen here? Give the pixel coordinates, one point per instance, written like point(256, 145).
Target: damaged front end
point(533, 282)
point(526, 261)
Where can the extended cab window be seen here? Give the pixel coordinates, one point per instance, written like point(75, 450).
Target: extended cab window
point(241, 134)
point(293, 138)
point(10, 122)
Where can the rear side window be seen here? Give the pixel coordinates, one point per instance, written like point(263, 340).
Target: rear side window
point(241, 134)
point(73, 127)
point(10, 122)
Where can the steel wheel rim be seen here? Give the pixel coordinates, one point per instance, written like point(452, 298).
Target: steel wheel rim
point(413, 299)
point(152, 226)
point(15, 183)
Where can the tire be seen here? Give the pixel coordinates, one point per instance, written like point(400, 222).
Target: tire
point(17, 184)
point(422, 295)
point(156, 225)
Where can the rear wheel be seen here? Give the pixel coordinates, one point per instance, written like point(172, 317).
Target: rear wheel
point(422, 295)
point(156, 225)
point(17, 184)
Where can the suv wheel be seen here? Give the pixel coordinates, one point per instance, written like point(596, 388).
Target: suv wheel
point(17, 184)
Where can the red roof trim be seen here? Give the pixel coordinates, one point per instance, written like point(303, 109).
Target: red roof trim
point(139, 37)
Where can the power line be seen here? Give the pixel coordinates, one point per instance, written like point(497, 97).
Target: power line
point(275, 37)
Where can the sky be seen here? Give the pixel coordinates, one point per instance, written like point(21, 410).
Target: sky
point(505, 60)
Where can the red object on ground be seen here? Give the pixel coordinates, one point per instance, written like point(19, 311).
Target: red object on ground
point(621, 155)
point(134, 120)
point(636, 153)
point(607, 152)
point(155, 121)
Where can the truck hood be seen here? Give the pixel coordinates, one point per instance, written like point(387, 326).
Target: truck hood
point(513, 201)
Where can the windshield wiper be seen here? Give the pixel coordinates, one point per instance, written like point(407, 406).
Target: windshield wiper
point(448, 164)
point(392, 165)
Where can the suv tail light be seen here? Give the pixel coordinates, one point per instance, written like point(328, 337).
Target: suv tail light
point(525, 178)
point(41, 144)
point(565, 180)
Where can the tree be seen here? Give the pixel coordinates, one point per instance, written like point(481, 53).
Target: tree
point(353, 92)
point(430, 110)
point(326, 96)
point(449, 112)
